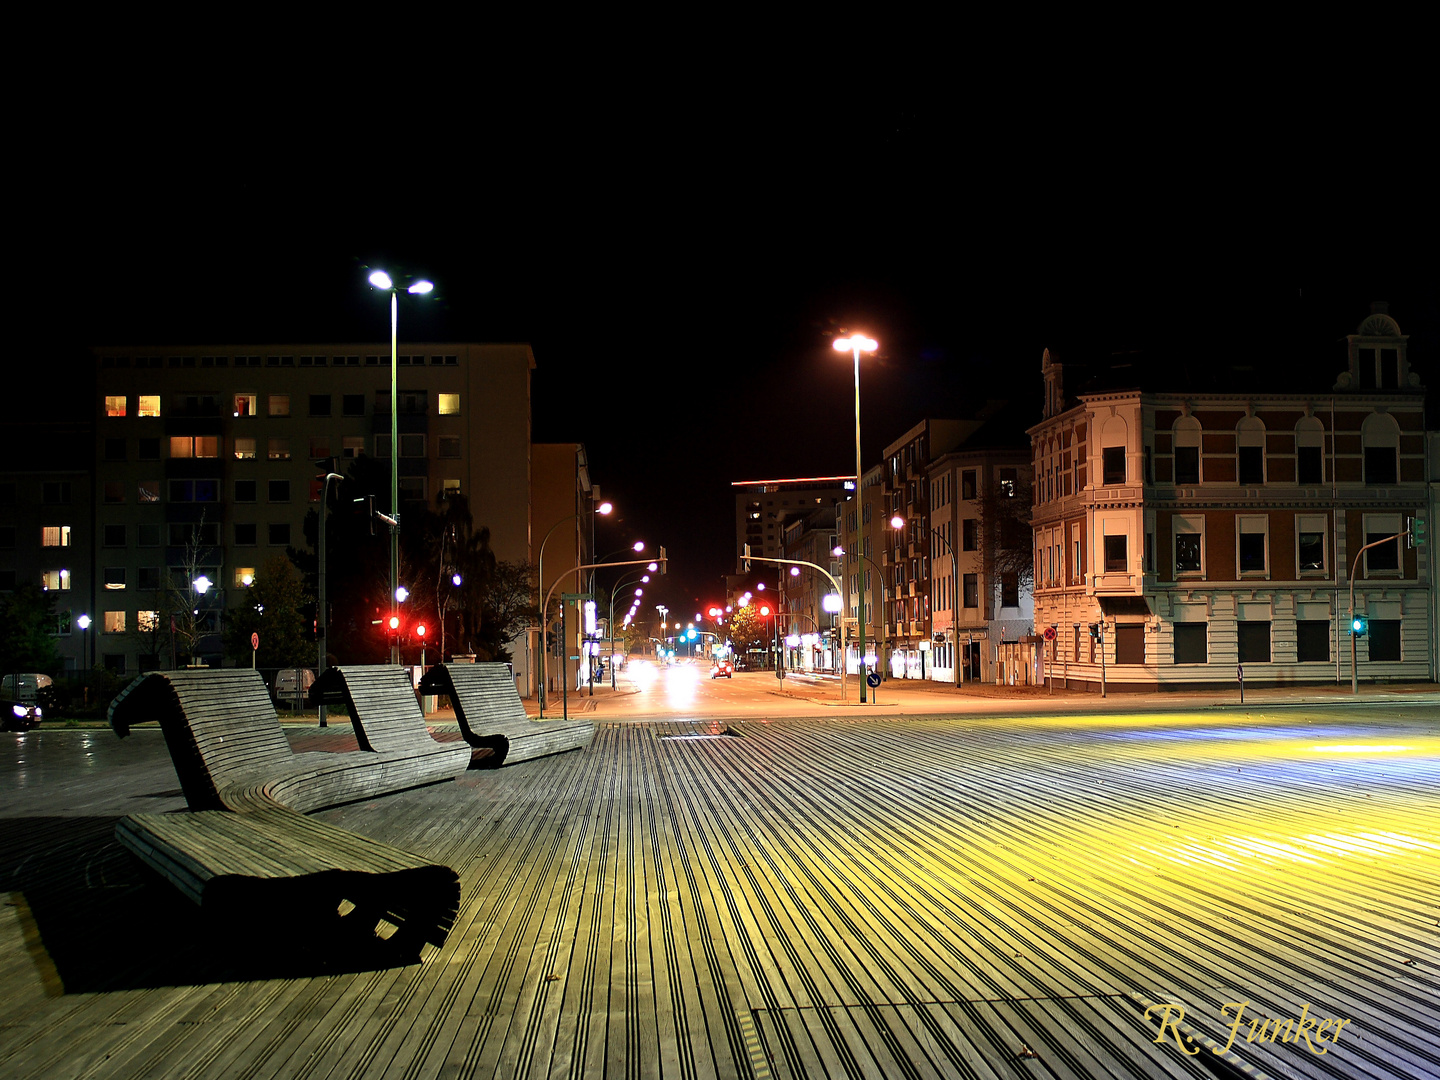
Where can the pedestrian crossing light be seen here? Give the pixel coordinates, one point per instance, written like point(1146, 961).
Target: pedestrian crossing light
point(1359, 625)
point(1415, 527)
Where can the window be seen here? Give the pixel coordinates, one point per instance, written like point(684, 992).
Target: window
point(412, 446)
point(1130, 643)
point(319, 404)
point(1386, 556)
point(1113, 465)
point(205, 534)
point(382, 447)
point(1254, 642)
point(352, 404)
point(1116, 554)
point(352, 446)
point(114, 578)
point(1009, 590)
point(279, 533)
point(53, 580)
point(244, 448)
point(148, 491)
point(971, 596)
point(194, 446)
point(194, 491)
point(114, 622)
point(147, 449)
point(1380, 465)
point(412, 402)
point(1380, 435)
point(319, 447)
point(148, 577)
point(114, 404)
point(970, 534)
point(967, 484)
point(412, 488)
point(112, 536)
point(448, 488)
point(148, 405)
point(147, 622)
point(246, 405)
point(1187, 450)
point(244, 490)
point(448, 404)
point(1310, 543)
point(55, 492)
point(1189, 535)
point(1312, 640)
point(1191, 643)
point(1384, 636)
point(278, 491)
point(55, 536)
point(449, 447)
point(279, 404)
point(1252, 544)
point(245, 534)
point(1251, 465)
point(279, 450)
point(148, 535)
point(114, 450)
point(244, 576)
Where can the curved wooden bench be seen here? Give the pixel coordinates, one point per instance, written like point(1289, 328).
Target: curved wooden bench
point(386, 714)
point(491, 714)
point(247, 839)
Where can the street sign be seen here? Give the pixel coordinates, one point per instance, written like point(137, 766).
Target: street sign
point(873, 678)
point(255, 641)
point(1049, 633)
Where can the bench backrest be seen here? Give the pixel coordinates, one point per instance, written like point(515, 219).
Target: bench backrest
point(483, 695)
point(382, 704)
point(219, 724)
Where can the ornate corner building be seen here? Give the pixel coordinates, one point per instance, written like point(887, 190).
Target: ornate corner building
point(1184, 532)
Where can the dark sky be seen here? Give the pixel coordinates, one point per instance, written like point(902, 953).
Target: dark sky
point(680, 268)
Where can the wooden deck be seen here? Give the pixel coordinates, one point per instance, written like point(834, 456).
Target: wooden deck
point(846, 898)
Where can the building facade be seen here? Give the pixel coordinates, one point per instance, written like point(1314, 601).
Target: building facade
point(1206, 533)
point(227, 444)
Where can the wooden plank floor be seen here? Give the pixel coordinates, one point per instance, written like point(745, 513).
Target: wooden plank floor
point(965, 897)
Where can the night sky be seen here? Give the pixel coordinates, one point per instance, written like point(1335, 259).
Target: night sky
point(680, 269)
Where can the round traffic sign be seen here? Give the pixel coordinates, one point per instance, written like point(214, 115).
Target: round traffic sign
point(873, 678)
point(1049, 633)
point(255, 640)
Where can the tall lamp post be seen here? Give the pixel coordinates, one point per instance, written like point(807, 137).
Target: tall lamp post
point(322, 615)
point(84, 623)
point(382, 281)
point(603, 508)
point(897, 523)
point(856, 344)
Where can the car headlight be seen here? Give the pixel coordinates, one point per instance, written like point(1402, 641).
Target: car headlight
point(19, 710)
point(38, 714)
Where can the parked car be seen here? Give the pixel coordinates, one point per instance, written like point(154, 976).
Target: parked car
point(722, 669)
point(291, 683)
point(20, 701)
point(24, 687)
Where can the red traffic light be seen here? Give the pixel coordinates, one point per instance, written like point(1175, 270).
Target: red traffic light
point(394, 622)
point(420, 630)
point(764, 609)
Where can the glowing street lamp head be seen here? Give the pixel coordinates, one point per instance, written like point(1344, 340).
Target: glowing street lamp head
point(381, 280)
point(420, 288)
point(402, 594)
point(794, 571)
point(897, 522)
point(856, 343)
point(202, 584)
point(83, 622)
point(456, 579)
point(604, 508)
point(639, 545)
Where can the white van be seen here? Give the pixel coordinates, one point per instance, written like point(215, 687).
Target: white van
point(24, 687)
point(291, 681)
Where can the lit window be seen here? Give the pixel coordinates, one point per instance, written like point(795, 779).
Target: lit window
point(114, 578)
point(52, 580)
point(279, 404)
point(244, 576)
point(245, 405)
point(352, 446)
point(244, 449)
point(114, 404)
point(56, 536)
point(449, 404)
point(319, 447)
point(182, 446)
point(448, 488)
point(149, 405)
point(149, 491)
point(114, 622)
point(147, 622)
point(279, 450)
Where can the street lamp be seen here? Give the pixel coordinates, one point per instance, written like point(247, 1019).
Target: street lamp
point(603, 508)
point(382, 281)
point(84, 623)
point(322, 615)
point(856, 344)
point(897, 523)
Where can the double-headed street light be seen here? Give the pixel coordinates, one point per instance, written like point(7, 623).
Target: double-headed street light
point(856, 344)
point(382, 281)
point(600, 508)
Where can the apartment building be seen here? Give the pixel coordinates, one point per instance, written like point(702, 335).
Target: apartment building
point(762, 507)
point(1232, 527)
point(227, 444)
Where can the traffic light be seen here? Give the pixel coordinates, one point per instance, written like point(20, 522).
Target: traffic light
point(1415, 527)
point(420, 631)
point(746, 561)
point(1360, 625)
point(661, 560)
point(370, 512)
point(1095, 631)
point(394, 624)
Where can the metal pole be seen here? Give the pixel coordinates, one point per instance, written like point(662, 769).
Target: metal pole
point(394, 466)
point(859, 521)
point(322, 615)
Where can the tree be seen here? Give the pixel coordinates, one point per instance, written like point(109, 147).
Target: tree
point(749, 629)
point(275, 608)
point(27, 632)
point(185, 612)
point(1005, 525)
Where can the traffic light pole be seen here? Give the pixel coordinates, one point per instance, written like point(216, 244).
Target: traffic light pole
point(801, 562)
point(1358, 625)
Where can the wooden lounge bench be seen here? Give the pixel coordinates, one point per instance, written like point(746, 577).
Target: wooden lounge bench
point(386, 713)
point(247, 838)
point(491, 714)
